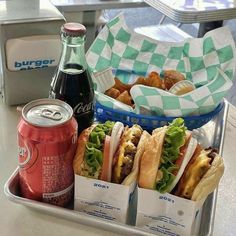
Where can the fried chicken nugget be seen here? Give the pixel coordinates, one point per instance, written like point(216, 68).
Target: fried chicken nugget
point(171, 77)
point(140, 80)
point(154, 80)
point(112, 92)
point(125, 98)
point(121, 86)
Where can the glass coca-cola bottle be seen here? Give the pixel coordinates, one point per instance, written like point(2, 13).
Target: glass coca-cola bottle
point(72, 82)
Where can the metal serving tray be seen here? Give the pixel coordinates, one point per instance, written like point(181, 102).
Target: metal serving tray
point(212, 132)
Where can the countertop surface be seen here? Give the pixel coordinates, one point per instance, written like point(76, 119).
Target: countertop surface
point(22, 221)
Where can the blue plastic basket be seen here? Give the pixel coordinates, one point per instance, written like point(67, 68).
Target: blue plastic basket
point(149, 123)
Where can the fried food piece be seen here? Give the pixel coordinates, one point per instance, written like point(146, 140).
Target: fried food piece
point(125, 98)
point(154, 80)
point(140, 80)
point(121, 86)
point(112, 92)
point(171, 77)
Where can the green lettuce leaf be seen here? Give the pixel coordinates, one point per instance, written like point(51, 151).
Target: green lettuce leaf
point(174, 139)
point(94, 147)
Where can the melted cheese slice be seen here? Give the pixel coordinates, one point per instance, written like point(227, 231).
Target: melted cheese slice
point(194, 173)
point(125, 142)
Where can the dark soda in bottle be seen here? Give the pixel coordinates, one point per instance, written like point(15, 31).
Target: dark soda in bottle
point(72, 82)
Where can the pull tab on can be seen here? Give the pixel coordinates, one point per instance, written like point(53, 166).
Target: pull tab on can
point(47, 112)
point(51, 114)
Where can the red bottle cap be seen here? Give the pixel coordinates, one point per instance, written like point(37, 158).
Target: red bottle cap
point(73, 29)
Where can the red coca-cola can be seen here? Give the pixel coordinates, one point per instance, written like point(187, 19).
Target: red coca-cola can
point(47, 138)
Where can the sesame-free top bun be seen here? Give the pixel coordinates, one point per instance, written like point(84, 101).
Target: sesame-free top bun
point(210, 180)
point(81, 145)
point(150, 159)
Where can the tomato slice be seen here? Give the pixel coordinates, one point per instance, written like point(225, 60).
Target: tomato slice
point(107, 161)
point(180, 159)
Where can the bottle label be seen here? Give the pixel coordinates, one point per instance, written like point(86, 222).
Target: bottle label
point(81, 108)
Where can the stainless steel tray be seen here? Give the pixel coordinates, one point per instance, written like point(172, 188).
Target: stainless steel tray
point(213, 132)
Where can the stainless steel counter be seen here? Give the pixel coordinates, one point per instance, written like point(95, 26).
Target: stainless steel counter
point(225, 223)
point(19, 220)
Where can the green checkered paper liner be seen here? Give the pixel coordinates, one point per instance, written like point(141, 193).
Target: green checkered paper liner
point(208, 62)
